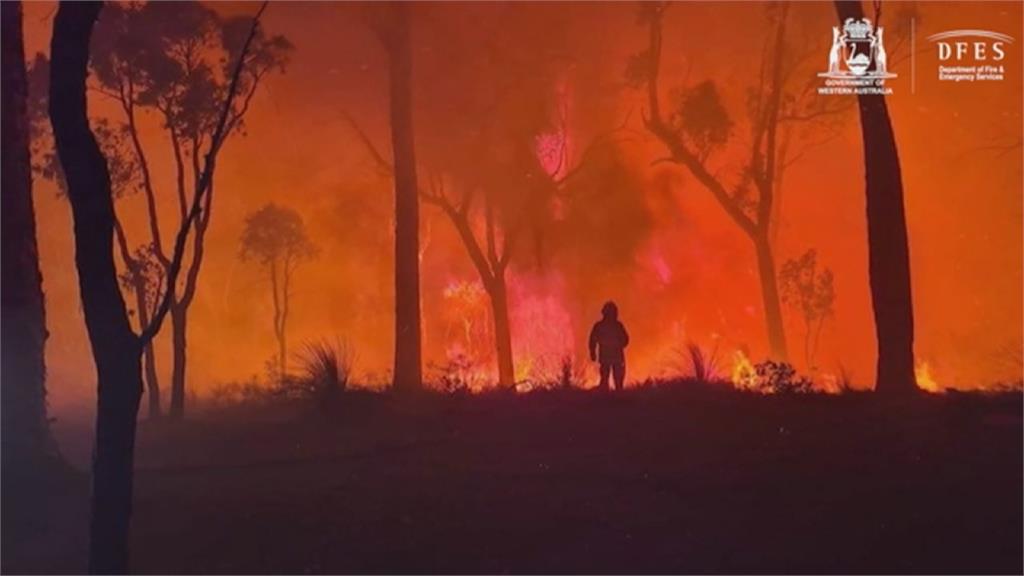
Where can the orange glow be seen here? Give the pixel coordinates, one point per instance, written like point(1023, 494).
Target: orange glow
point(654, 240)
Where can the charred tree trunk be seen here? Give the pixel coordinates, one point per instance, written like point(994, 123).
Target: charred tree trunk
point(888, 247)
point(770, 298)
point(116, 349)
point(179, 327)
point(498, 293)
point(407, 369)
point(26, 433)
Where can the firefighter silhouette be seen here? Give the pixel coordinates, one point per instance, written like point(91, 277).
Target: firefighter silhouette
point(608, 340)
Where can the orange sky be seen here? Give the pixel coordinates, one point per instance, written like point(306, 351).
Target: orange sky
point(963, 200)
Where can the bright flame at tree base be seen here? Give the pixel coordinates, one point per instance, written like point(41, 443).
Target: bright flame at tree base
point(925, 381)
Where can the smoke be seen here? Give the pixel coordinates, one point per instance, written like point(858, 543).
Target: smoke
point(527, 104)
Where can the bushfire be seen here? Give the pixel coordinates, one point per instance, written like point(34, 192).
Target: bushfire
point(540, 132)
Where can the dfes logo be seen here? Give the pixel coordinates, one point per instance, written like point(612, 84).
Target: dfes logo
point(971, 55)
point(979, 45)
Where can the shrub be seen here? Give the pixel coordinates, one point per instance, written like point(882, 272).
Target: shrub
point(780, 378)
point(457, 375)
point(238, 392)
point(326, 367)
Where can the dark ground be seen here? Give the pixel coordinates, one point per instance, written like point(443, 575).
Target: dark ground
point(682, 479)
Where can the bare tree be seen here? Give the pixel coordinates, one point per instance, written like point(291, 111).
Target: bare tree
point(490, 257)
point(391, 23)
point(26, 433)
point(888, 247)
point(275, 237)
point(116, 347)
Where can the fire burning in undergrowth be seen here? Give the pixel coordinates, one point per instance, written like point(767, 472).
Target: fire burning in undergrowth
point(773, 377)
point(925, 380)
point(542, 333)
point(743, 374)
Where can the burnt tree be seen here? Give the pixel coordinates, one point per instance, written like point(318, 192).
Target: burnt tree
point(888, 247)
point(26, 434)
point(391, 24)
point(116, 348)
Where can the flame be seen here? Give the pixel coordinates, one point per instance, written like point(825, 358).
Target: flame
point(743, 374)
point(925, 381)
point(469, 329)
point(829, 383)
point(542, 331)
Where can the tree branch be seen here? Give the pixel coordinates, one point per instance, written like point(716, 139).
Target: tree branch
point(676, 147)
point(606, 138)
point(122, 245)
point(766, 196)
point(383, 166)
point(203, 185)
point(179, 165)
point(128, 105)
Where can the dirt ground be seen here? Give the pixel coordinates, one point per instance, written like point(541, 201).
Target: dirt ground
point(678, 479)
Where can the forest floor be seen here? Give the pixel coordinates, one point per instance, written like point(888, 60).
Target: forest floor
point(676, 479)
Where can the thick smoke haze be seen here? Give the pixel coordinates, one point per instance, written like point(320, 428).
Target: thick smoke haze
point(501, 86)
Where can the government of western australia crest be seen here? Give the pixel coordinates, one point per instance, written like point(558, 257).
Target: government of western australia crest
point(857, 61)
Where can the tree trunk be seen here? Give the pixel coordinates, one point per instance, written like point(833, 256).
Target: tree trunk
point(407, 369)
point(120, 390)
point(888, 248)
point(282, 351)
point(179, 325)
point(152, 381)
point(498, 294)
point(26, 432)
point(179, 312)
point(149, 357)
point(807, 346)
point(116, 349)
point(770, 298)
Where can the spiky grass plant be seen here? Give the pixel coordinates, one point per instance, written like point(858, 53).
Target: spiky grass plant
point(326, 366)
